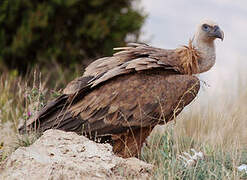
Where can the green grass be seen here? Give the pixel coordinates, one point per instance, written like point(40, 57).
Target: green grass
point(218, 133)
point(164, 151)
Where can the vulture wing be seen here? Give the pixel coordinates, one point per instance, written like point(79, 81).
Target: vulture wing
point(136, 57)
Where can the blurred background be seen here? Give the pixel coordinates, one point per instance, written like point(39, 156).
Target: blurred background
point(68, 35)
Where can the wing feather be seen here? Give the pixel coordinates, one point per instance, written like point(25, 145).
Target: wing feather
point(134, 57)
point(135, 100)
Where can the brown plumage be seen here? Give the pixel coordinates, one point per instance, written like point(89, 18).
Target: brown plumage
point(189, 58)
point(120, 99)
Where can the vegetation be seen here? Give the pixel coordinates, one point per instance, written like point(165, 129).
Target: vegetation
point(66, 32)
point(171, 156)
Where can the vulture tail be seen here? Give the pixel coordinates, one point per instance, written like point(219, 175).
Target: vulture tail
point(55, 115)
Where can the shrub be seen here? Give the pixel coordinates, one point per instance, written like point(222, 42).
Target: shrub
point(68, 32)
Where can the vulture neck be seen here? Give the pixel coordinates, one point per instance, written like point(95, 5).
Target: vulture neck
point(207, 54)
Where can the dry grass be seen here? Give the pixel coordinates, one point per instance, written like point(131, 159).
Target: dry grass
point(216, 127)
point(222, 121)
point(18, 101)
point(164, 150)
point(11, 109)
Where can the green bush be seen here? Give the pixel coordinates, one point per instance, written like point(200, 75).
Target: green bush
point(66, 31)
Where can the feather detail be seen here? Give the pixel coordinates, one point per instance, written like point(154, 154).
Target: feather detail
point(189, 56)
point(122, 48)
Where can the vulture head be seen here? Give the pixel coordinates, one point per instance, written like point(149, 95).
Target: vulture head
point(207, 31)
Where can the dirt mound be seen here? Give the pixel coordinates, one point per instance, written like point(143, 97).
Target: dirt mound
point(66, 155)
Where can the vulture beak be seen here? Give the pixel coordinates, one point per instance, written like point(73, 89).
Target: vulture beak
point(216, 32)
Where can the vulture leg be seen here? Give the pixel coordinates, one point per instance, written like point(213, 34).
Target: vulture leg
point(130, 143)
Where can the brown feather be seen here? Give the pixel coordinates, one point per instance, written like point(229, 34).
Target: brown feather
point(137, 57)
point(138, 95)
point(189, 58)
point(129, 143)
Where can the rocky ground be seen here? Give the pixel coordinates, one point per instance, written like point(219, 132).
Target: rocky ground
point(65, 155)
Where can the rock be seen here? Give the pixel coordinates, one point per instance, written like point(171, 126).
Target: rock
point(66, 155)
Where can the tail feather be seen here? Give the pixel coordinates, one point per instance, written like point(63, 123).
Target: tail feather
point(54, 115)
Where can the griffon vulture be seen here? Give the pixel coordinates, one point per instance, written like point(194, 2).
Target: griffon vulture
point(120, 99)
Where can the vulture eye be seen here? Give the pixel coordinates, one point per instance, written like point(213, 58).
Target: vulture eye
point(205, 27)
